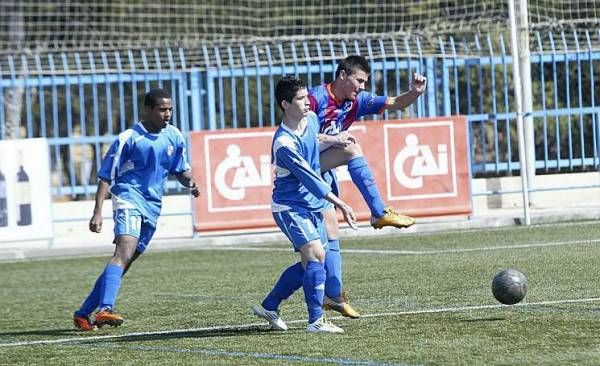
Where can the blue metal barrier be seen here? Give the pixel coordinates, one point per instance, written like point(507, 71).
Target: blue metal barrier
point(80, 101)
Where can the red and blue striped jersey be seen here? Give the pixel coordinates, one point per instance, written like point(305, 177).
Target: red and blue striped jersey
point(335, 116)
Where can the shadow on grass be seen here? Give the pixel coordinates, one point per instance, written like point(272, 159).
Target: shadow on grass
point(138, 337)
point(46, 332)
point(202, 333)
point(477, 320)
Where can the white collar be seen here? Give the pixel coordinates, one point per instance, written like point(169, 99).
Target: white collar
point(299, 131)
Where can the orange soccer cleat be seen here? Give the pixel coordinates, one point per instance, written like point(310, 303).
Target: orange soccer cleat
point(84, 323)
point(108, 317)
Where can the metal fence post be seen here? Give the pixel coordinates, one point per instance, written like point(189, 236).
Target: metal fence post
point(430, 74)
point(195, 88)
point(519, 107)
point(527, 95)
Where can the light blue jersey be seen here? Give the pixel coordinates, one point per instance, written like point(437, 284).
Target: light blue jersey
point(137, 165)
point(298, 184)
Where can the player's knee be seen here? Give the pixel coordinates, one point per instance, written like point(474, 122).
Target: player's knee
point(124, 252)
point(353, 151)
point(320, 256)
point(333, 230)
point(121, 259)
point(318, 252)
point(312, 251)
point(127, 258)
point(331, 224)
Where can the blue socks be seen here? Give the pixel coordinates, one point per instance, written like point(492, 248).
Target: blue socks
point(110, 285)
point(314, 289)
point(363, 179)
point(93, 300)
point(104, 292)
point(292, 278)
point(289, 281)
point(316, 279)
point(333, 269)
point(312, 279)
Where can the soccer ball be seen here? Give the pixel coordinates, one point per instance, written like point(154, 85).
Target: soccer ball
point(509, 286)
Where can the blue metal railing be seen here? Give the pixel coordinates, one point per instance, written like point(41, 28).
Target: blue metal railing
point(80, 101)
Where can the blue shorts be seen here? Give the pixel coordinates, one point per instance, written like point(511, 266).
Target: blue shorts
point(301, 227)
point(130, 221)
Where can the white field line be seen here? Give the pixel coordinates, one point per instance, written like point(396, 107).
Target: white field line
point(252, 325)
point(19, 254)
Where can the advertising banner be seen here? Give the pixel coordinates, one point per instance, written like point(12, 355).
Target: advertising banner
point(420, 166)
point(25, 200)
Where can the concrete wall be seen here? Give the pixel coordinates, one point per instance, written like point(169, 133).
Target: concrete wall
point(74, 232)
point(181, 225)
point(545, 195)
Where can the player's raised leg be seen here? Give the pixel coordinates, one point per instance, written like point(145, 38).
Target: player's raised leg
point(363, 179)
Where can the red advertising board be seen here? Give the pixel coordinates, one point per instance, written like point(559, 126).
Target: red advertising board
point(420, 166)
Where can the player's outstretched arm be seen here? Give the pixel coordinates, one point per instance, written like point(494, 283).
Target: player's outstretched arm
point(95, 224)
point(186, 180)
point(347, 211)
point(417, 87)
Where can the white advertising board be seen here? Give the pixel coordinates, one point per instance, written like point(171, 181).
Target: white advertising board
point(25, 197)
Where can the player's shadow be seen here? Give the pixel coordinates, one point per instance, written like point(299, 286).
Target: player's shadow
point(42, 332)
point(201, 333)
point(477, 320)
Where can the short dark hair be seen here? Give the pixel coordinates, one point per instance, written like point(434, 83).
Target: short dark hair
point(286, 89)
point(151, 98)
point(351, 64)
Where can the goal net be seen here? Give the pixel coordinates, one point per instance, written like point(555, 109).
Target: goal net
point(86, 24)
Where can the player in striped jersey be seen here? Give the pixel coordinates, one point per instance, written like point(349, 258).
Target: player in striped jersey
point(299, 194)
point(338, 105)
point(134, 171)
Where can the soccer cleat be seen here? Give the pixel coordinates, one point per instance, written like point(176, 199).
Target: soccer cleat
point(84, 323)
point(271, 316)
point(321, 325)
point(392, 218)
point(341, 307)
point(108, 317)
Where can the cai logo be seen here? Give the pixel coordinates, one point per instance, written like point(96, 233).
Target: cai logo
point(420, 160)
point(239, 174)
point(416, 161)
point(244, 173)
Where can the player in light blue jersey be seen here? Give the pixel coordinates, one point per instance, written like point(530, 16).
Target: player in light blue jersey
point(134, 171)
point(299, 193)
point(338, 105)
